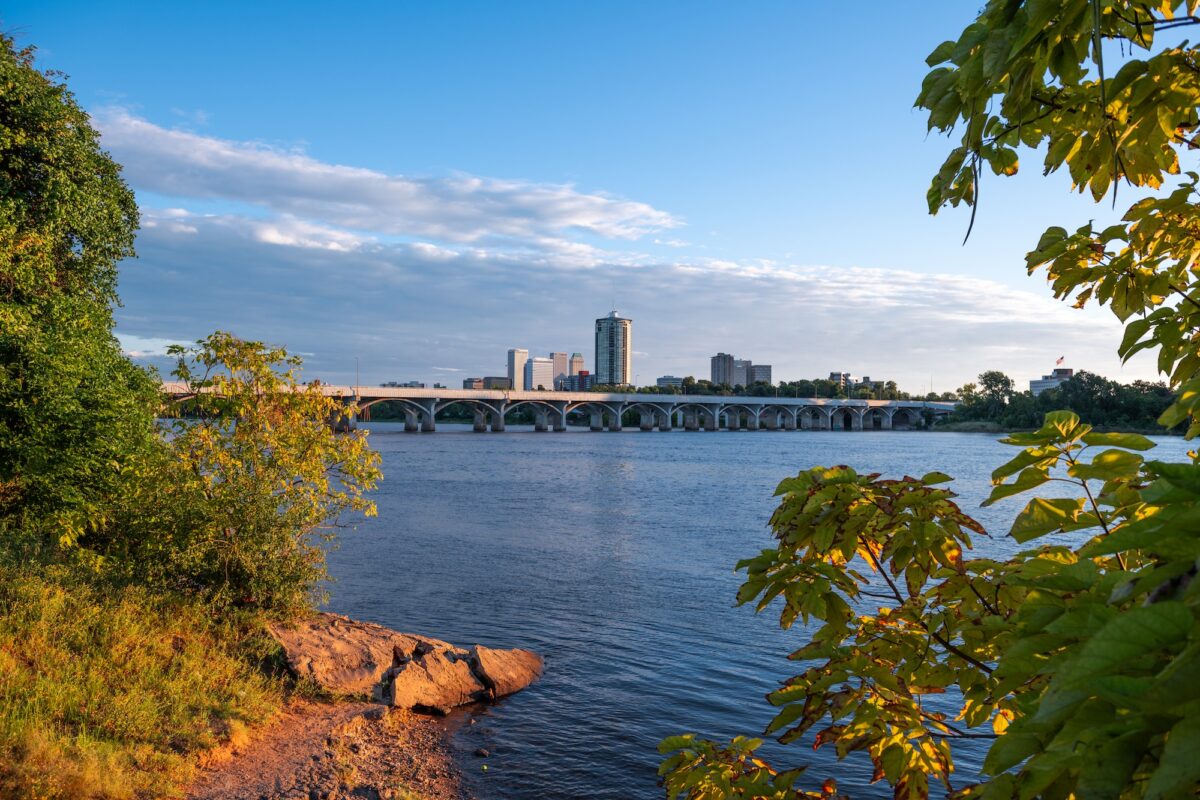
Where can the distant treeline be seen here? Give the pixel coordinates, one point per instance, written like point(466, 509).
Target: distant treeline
point(1098, 401)
point(816, 387)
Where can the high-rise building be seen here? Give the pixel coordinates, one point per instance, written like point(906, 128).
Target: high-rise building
point(614, 350)
point(576, 365)
point(472, 383)
point(539, 374)
point(561, 367)
point(497, 382)
point(760, 373)
point(741, 372)
point(516, 367)
point(668, 380)
point(722, 369)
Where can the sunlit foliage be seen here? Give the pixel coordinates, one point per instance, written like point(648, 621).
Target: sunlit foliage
point(1076, 661)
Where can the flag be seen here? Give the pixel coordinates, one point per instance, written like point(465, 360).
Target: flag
point(1060, 360)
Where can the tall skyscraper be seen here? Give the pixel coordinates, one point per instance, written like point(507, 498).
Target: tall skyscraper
point(539, 374)
point(722, 369)
point(614, 350)
point(576, 366)
point(516, 367)
point(561, 366)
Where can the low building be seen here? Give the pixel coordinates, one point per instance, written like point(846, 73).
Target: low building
point(842, 380)
point(404, 385)
point(760, 373)
point(500, 382)
point(667, 381)
point(472, 383)
point(584, 381)
point(1052, 381)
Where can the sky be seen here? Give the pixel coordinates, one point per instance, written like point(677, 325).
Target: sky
point(409, 189)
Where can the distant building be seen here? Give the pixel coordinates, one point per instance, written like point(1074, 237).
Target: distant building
point(741, 372)
point(760, 373)
point(722, 369)
point(1052, 381)
point(842, 380)
point(576, 364)
point(581, 381)
point(614, 350)
point(516, 368)
point(539, 374)
point(561, 363)
point(667, 381)
point(497, 383)
point(472, 383)
point(404, 385)
point(439, 386)
point(866, 383)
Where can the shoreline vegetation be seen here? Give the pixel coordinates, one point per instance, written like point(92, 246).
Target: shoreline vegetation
point(148, 563)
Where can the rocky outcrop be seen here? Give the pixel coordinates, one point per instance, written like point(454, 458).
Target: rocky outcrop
point(413, 672)
point(344, 656)
point(433, 680)
point(505, 671)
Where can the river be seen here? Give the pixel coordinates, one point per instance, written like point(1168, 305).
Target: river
point(612, 554)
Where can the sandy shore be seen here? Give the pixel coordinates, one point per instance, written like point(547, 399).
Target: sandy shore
point(335, 751)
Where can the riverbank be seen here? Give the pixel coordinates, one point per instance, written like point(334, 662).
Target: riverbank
point(119, 694)
point(331, 750)
point(987, 426)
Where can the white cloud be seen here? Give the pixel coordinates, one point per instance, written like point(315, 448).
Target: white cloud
point(463, 208)
point(342, 262)
point(145, 346)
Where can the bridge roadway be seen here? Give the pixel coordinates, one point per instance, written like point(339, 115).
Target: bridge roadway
point(661, 411)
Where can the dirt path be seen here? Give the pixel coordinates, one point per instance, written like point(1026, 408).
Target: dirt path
point(336, 751)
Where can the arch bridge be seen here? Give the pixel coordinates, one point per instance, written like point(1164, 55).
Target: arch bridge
point(664, 412)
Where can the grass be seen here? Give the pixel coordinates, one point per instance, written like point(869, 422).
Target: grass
point(113, 694)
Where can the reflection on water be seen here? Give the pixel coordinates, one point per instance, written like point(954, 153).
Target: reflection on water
point(612, 554)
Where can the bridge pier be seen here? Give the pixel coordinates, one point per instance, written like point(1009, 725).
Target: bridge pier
point(559, 417)
point(664, 421)
point(497, 416)
point(690, 421)
point(597, 421)
point(771, 421)
point(410, 421)
point(614, 422)
point(789, 421)
point(481, 425)
point(711, 423)
point(646, 420)
point(856, 420)
point(733, 420)
point(539, 420)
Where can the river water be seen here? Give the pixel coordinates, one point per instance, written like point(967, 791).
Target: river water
point(612, 555)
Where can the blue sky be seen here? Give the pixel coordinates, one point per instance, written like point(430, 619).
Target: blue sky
point(423, 185)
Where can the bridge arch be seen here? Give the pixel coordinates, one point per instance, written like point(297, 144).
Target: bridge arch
point(877, 419)
point(812, 417)
point(770, 415)
point(845, 418)
point(906, 418)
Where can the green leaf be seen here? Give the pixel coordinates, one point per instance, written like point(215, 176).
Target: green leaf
point(1130, 441)
point(1042, 515)
point(1107, 466)
point(1179, 767)
point(1130, 636)
point(1010, 750)
point(1030, 478)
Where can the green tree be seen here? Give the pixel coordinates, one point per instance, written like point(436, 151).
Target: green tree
point(74, 412)
point(1077, 660)
point(250, 486)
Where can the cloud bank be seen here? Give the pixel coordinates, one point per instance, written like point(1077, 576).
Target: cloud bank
point(435, 278)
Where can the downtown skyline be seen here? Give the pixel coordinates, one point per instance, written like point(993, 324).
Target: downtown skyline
point(421, 244)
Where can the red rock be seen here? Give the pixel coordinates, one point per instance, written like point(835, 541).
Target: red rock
point(438, 679)
point(506, 671)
